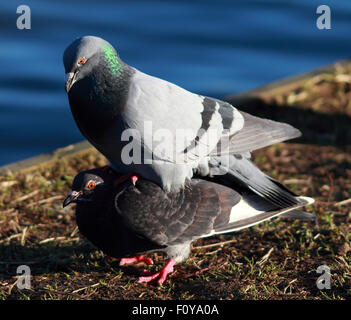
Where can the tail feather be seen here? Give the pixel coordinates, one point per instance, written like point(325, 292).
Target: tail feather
point(252, 210)
point(241, 171)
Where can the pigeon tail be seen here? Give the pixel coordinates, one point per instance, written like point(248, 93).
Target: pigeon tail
point(243, 173)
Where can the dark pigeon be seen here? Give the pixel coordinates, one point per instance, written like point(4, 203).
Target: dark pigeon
point(108, 97)
point(129, 217)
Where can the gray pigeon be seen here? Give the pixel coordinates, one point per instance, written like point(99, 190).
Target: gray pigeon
point(161, 132)
point(130, 217)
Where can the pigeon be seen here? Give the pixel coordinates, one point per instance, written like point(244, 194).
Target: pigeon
point(163, 133)
point(128, 217)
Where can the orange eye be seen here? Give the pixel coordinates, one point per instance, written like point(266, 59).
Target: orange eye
point(91, 185)
point(82, 60)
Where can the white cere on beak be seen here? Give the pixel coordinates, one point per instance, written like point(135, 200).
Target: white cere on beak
point(69, 80)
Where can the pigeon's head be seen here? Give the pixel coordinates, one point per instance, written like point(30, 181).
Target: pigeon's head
point(84, 54)
point(91, 185)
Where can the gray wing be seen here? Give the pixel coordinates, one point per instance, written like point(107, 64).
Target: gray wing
point(255, 134)
point(200, 210)
point(175, 217)
point(182, 127)
point(195, 125)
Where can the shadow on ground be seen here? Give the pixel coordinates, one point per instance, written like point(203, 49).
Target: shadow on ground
point(316, 127)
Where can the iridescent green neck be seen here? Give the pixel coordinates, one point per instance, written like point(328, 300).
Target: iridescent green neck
point(114, 63)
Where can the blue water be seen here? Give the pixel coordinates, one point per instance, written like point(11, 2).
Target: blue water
point(210, 47)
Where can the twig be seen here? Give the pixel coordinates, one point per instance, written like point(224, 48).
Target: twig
point(5, 212)
point(51, 199)
point(316, 236)
point(11, 287)
point(212, 252)
point(214, 244)
point(74, 232)
point(341, 203)
point(81, 289)
point(27, 196)
point(62, 239)
point(17, 235)
point(265, 257)
point(344, 261)
point(6, 184)
point(56, 292)
point(51, 239)
point(23, 238)
point(71, 239)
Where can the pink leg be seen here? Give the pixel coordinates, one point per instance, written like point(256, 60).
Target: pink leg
point(161, 275)
point(136, 259)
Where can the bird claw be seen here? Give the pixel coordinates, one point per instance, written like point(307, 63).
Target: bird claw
point(136, 259)
point(160, 276)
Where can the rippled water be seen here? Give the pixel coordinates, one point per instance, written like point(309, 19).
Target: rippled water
point(211, 47)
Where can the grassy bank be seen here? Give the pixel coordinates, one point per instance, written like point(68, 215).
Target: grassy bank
point(274, 260)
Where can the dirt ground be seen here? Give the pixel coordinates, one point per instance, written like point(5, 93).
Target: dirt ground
point(273, 260)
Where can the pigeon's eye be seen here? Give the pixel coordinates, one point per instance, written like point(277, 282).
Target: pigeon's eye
point(91, 185)
point(82, 61)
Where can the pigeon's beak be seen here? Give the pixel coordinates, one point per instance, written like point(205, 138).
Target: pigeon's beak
point(71, 197)
point(70, 80)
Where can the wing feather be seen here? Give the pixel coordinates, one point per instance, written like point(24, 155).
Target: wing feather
point(190, 125)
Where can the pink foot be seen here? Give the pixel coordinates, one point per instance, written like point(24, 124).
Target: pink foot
point(136, 259)
point(160, 276)
point(125, 177)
